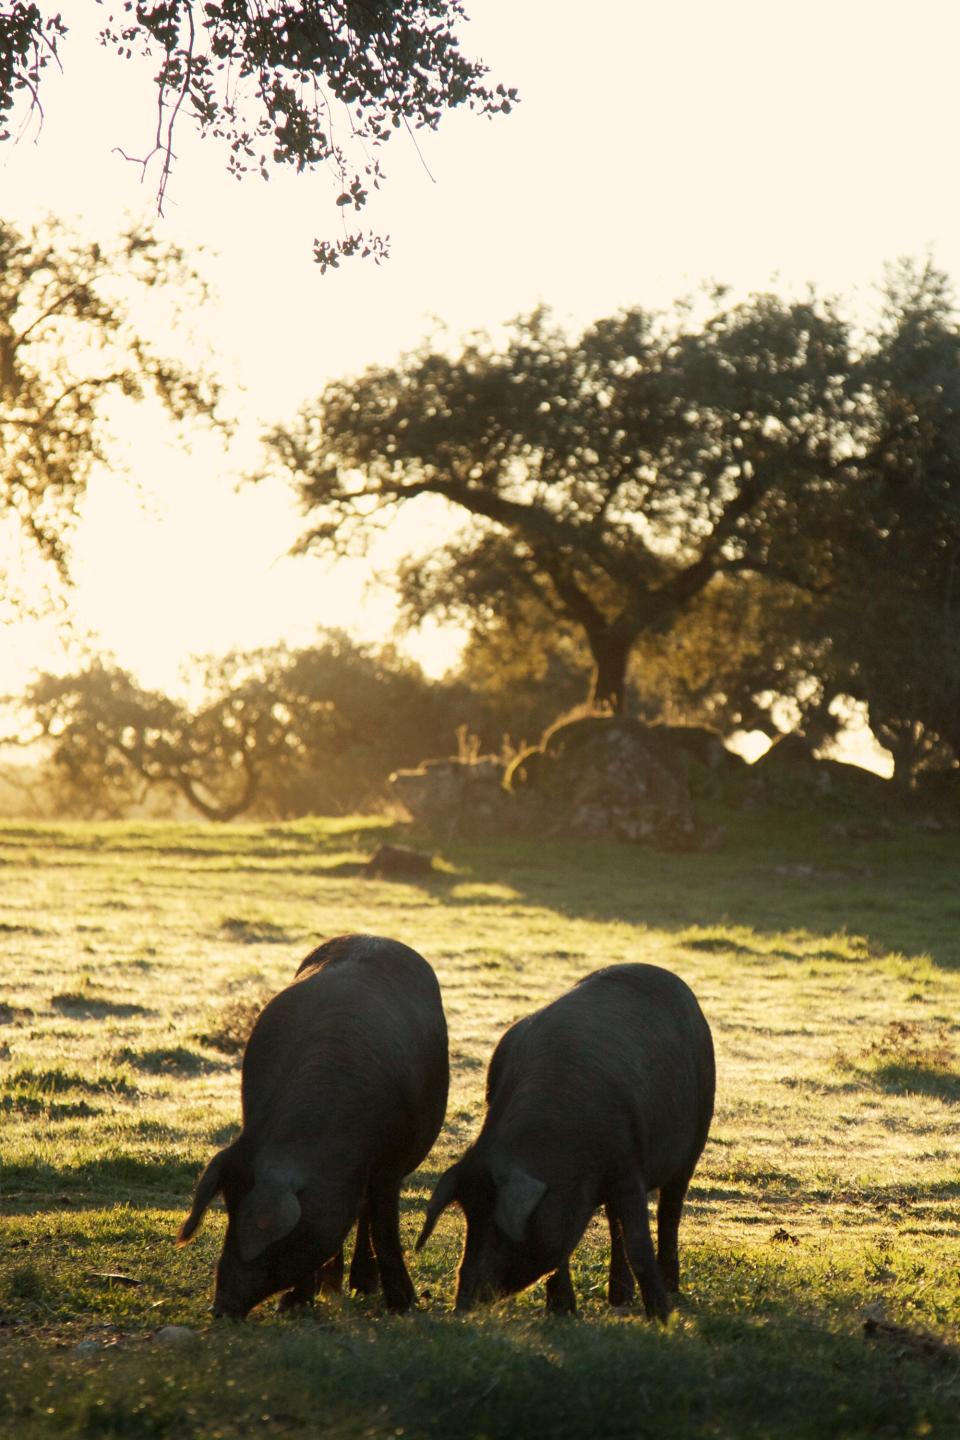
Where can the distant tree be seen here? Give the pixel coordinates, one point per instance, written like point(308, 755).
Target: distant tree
point(606, 480)
point(280, 732)
point(319, 83)
point(112, 743)
point(353, 713)
point(873, 613)
point(746, 653)
point(69, 347)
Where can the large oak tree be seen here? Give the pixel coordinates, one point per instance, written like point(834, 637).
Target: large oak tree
point(607, 478)
point(760, 504)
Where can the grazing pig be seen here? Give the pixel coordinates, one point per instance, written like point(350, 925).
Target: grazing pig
point(343, 1092)
point(598, 1099)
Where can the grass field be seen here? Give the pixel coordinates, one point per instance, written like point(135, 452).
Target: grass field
point(133, 956)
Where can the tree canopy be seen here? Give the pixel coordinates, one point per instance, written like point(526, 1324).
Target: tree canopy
point(69, 347)
point(319, 83)
point(608, 478)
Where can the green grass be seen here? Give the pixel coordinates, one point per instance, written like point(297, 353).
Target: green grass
point(133, 956)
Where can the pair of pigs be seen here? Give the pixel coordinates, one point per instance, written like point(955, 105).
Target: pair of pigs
point(600, 1098)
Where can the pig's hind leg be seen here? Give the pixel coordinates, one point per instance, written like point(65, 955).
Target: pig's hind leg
point(364, 1274)
point(330, 1275)
point(620, 1286)
point(628, 1204)
point(669, 1210)
point(384, 1203)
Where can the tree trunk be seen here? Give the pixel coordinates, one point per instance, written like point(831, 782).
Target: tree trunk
point(611, 653)
point(226, 810)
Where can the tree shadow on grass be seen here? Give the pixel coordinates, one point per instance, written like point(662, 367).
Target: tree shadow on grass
point(744, 1367)
point(511, 1371)
point(81, 1006)
point(905, 1079)
point(732, 886)
point(800, 1195)
point(718, 945)
point(255, 932)
point(30, 1187)
point(171, 1060)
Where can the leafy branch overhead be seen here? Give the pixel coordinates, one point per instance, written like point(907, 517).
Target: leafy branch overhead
point(324, 83)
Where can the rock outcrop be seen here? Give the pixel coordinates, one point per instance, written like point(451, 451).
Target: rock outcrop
point(612, 778)
point(600, 778)
point(454, 796)
point(594, 777)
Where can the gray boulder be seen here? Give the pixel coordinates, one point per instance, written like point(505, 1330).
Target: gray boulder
point(455, 796)
point(606, 778)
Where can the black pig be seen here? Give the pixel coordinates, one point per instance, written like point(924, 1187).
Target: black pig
point(600, 1098)
point(343, 1091)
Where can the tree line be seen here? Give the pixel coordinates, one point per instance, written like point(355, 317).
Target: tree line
point(279, 733)
point(720, 514)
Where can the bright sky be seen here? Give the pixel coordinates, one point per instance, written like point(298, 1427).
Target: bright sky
point(657, 145)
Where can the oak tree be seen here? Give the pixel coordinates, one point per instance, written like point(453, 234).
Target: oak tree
point(608, 479)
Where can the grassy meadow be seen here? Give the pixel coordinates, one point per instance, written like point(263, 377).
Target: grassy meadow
point(133, 957)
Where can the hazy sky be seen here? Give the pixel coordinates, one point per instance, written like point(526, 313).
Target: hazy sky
point(657, 145)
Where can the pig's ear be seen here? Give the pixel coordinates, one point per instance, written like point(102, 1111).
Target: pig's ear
point(518, 1195)
point(210, 1182)
point(266, 1213)
point(444, 1194)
